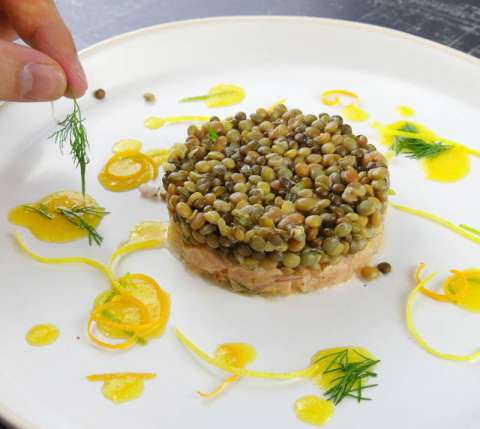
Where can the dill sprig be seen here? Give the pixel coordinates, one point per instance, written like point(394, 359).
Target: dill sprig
point(417, 148)
point(72, 132)
point(41, 210)
point(352, 376)
point(76, 219)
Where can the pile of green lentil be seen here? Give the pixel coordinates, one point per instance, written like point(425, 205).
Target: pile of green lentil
point(280, 187)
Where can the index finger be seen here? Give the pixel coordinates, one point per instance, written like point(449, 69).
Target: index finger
point(39, 24)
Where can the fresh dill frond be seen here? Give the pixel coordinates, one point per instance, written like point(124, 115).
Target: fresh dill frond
point(91, 210)
point(351, 376)
point(76, 219)
point(212, 135)
point(72, 132)
point(41, 210)
point(417, 148)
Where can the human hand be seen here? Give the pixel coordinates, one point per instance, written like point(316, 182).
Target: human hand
point(46, 70)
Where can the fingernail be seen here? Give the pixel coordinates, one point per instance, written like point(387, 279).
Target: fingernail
point(41, 82)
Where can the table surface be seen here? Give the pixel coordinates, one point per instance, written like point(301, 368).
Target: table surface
point(455, 23)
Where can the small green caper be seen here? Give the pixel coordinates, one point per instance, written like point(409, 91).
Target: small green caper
point(291, 260)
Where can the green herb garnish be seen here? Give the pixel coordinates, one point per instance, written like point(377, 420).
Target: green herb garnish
point(417, 148)
point(351, 378)
point(212, 135)
point(41, 210)
point(74, 216)
point(72, 132)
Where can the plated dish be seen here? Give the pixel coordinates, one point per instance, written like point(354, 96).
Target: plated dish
point(271, 202)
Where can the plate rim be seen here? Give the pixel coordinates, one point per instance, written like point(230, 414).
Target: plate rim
point(13, 420)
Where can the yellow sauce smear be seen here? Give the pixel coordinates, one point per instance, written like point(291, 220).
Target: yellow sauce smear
point(122, 387)
point(58, 229)
point(448, 166)
point(354, 113)
point(42, 335)
point(420, 285)
point(313, 410)
point(135, 308)
point(127, 145)
point(238, 355)
point(405, 111)
point(155, 122)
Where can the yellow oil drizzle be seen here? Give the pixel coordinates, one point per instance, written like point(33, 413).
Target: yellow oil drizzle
point(122, 387)
point(420, 284)
point(127, 145)
point(405, 111)
point(58, 229)
point(238, 355)
point(313, 410)
point(148, 230)
point(448, 166)
point(352, 112)
point(155, 122)
point(42, 335)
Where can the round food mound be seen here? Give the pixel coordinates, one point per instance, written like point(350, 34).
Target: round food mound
point(276, 202)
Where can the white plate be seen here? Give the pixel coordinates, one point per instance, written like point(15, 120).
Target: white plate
point(273, 58)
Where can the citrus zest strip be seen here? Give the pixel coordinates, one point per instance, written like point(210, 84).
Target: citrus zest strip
point(113, 376)
point(447, 224)
point(119, 346)
point(331, 97)
point(413, 330)
point(220, 388)
point(133, 247)
point(69, 260)
point(242, 372)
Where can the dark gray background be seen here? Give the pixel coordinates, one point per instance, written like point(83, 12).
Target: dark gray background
point(455, 23)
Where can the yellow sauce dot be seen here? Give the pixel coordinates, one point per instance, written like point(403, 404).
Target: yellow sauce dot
point(57, 229)
point(123, 389)
point(149, 230)
point(354, 113)
point(235, 354)
point(154, 122)
point(313, 410)
point(42, 335)
point(127, 145)
point(225, 95)
point(448, 166)
point(405, 111)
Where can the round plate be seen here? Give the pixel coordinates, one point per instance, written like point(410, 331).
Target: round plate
point(272, 58)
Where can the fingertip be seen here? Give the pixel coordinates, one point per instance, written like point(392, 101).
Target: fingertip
point(77, 80)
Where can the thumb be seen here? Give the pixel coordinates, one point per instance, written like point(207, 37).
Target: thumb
point(29, 75)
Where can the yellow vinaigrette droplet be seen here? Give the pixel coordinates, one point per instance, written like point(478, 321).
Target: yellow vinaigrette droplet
point(449, 166)
point(148, 230)
point(127, 145)
point(405, 111)
point(225, 95)
point(470, 301)
point(42, 335)
point(313, 410)
point(154, 122)
point(354, 113)
point(238, 355)
point(123, 389)
point(54, 227)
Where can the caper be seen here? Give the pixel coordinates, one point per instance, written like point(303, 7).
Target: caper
point(343, 229)
point(183, 210)
point(332, 246)
point(368, 207)
point(291, 260)
point(384, 267)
